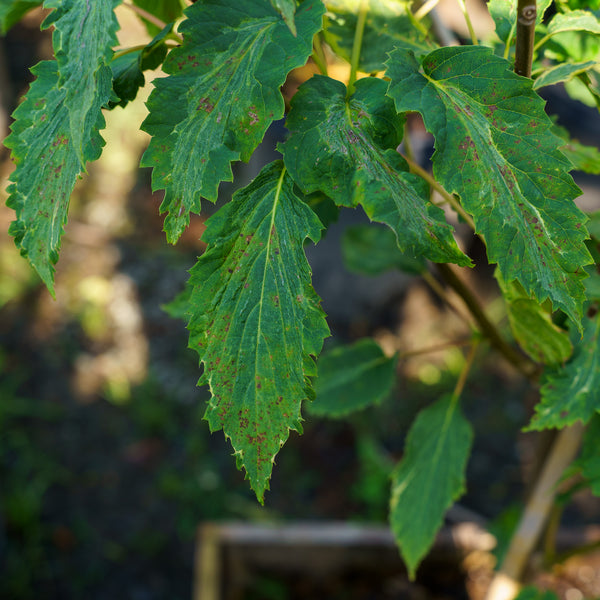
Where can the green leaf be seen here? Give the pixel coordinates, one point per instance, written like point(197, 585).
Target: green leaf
point(128, 69)
point(430, 477)
point(165, 10)
point(351, 378)
point(346, 149)
point(504, 13)
point(589, 460)
point(583, 158)
point(371, 250)
point(221, 95)
point(287, 9)
point(533, 593)
point(256, 321)
point(47, 166)
point(496, 150)
point(388, 25)
point(572, 393)
point(563, 72)
point(533, 328)
point(575, 20)
point(12, 11)
point(83, 37)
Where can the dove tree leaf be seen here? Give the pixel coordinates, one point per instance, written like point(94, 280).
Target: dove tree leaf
point(346, 149)
point(84, 75)
point(351, 378)
point(12, 11)
point(221, 95)
point(572, 393)
point(47, 166)
point(255, 318)
point(429, 478)
point(495, 148)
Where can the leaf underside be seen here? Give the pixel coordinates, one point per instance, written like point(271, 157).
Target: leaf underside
point(221, 95)
point(351, 378)
point(496, 150)
point(572, 393)
point(256, 321)
point(346, 149)
point(430, 477)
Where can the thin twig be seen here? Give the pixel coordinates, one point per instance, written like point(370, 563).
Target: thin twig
point(435, 348)
point(465, 12)
point(144, 14)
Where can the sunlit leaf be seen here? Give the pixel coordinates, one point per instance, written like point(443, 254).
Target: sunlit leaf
point(83, 37)
point(255, 318)
point(287, 9)
point(47, 166)
point(563, 72)
point(221, 95)
point(495, 148)
point(429, 478)
point(346, 148)
point(574, 20)
point(351, 378)
point(572, 393)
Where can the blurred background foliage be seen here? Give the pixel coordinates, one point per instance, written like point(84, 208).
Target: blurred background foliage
point(106, 466)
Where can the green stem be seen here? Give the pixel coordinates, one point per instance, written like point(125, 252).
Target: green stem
point(541, 42)
point(416, 168)
point(435, 348)
point(489, 330)
point(526, 13)
point(363, 10)
point(463, 7)
point(318, 55)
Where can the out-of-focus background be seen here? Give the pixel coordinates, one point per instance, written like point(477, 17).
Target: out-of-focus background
point(106, 466)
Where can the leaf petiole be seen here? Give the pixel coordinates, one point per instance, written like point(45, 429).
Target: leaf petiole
point(363, 10)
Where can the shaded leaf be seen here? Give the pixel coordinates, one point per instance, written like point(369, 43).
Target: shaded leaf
point(83, 38)
point(388, 25)
point(429, 478)
point(351, 378)
point(533, 593)
point(256, 321)
point(496, 150)
point(532, 326)
point(128, 69)
point(165, 10)
point(12, 11)
point(588, 462)
point(572, 393)
point(346, 148)
point(371, 250)
point(47, 166)
point(563, 72)
point(221, 95)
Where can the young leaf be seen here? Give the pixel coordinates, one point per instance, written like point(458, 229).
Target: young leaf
point(533, 328)
point(563, 72)
point(220, 97)
point(388, 25)
point(346, 148)
point(370, 250)
point(572, 392)
point(495, 148)
point(256, 321)
point(47, 168)
point(430, 477)
point(83, 37)
point(11, 12)
point(351, 378)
